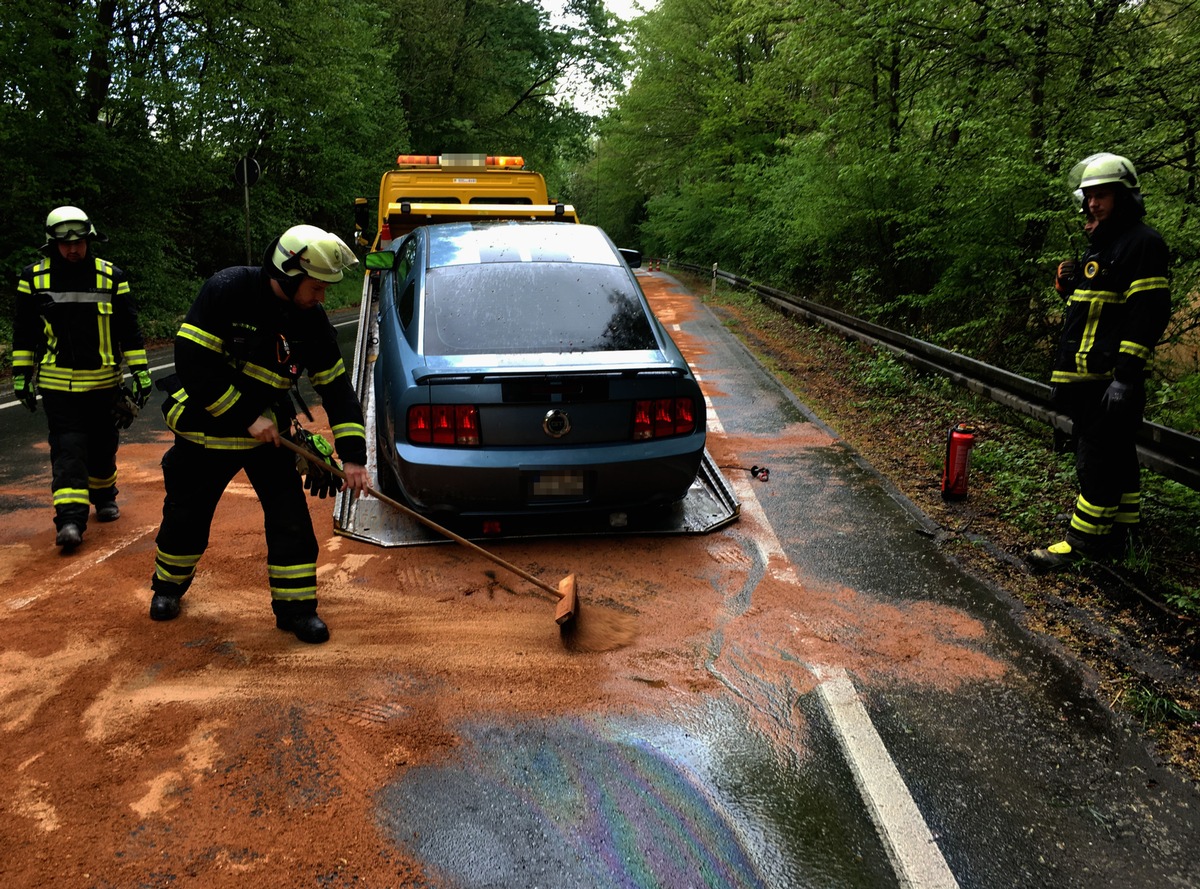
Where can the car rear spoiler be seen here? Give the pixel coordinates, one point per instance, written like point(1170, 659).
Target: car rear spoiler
point(448, 376)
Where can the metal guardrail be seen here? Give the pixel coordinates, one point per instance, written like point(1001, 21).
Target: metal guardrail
point(1168, 452)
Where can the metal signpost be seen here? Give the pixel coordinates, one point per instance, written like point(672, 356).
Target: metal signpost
point(246, 173)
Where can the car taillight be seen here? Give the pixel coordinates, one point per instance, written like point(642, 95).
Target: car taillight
point(661, 417)
point(444, 424)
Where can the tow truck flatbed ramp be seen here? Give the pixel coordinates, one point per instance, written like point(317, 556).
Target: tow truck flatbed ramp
point(710, 502)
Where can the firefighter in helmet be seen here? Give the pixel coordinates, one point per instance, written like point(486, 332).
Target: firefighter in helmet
point(1118, 305)
point(249, 335)
point(75, 325)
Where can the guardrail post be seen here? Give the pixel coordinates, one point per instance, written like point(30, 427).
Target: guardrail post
point(714, 280)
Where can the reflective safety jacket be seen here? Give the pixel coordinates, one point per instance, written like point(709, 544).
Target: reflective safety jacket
point(1118, 309)
point(76, 322)
point(238, 353)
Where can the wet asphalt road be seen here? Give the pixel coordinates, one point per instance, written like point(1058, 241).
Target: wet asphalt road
point(1028, 782)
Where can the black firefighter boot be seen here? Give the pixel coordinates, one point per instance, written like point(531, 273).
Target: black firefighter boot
point(300, 618)
point(1065, 553)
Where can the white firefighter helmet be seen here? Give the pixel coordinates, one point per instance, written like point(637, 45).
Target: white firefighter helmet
point(1102, 169)
point(308, 250)
point(69, 224)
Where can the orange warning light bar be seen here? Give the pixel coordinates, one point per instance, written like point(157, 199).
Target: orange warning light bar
point(459, 160)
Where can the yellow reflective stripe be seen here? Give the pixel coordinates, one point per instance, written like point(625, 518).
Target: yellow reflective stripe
point(227, 400)
point(292, 582)
point(283, 572)
point(161, 573)
point(23, 358)
point(1137, 350)
point(216, 443)
point(51, 343)
point(1090, 509)
point(328, 376)
point(1088, 339)
point(1143, 284)
point(201, 337)
point(137, 356)
point(1065, 376)
point(96, 484)
point(69, 496)
point(255, 372)
point(342, 430)
point(177, 561)
point(104, 335)
point(173, 568)
point(1102, 296)
point(290, 595)
point(65, 379)
point(23, 286)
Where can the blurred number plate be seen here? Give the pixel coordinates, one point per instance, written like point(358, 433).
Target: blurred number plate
point(558, 484)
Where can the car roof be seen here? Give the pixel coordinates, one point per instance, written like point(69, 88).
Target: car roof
point(473, 243)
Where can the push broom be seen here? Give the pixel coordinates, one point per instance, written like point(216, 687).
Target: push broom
point(566, 593)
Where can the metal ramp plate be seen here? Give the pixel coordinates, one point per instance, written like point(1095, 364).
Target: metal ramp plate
point(710, 502)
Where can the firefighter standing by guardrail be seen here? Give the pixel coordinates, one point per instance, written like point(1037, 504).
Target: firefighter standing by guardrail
point(245, 341)
point(75, 324)
point(1118, 305)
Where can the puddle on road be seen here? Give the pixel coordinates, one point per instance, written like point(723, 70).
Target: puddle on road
point(700, 800)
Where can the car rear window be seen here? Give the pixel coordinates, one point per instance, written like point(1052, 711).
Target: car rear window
point(470, 244)
point(523, 307)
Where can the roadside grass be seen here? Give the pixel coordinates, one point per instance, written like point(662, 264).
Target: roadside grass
point(1153, 708)
point(1018, 478)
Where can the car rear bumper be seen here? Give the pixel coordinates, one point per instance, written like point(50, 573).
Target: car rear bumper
point(461, 482)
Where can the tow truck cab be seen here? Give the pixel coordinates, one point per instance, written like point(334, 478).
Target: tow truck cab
point(454, 188)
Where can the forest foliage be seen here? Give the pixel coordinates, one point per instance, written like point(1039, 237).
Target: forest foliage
point(905, 162)
point(138, 113)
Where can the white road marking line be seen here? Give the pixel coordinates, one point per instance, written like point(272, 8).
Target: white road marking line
point(914, 853)
point(915, 856)
point(713, 423)
point(111, 550)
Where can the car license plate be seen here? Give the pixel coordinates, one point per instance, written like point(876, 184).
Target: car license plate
point(567, 483)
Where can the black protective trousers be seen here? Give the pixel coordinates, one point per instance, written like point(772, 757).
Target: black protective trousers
point(1106, 461)
point(83, 451)
point(195, 477)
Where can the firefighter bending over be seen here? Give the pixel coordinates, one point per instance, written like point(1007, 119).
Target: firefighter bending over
point(75, 324)
point(245, 341)
point(1118, 305)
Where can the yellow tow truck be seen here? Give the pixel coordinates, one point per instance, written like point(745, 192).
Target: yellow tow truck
point(454, 188)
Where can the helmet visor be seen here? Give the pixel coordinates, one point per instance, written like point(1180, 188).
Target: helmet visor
point(76, 230)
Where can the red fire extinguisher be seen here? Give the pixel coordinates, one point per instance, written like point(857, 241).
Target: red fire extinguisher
point(959, 442)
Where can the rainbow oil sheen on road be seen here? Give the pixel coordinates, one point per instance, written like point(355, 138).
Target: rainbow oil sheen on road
point(630, 803)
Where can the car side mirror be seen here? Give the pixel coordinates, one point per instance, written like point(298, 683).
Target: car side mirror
point(633, 257)
point(383, 260)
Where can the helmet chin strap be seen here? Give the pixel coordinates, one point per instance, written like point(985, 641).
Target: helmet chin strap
point(289, 284)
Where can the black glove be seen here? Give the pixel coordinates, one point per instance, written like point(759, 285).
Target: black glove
point(1064, 277)
point(25, 389)
point(141, 387)
point(125, 408)
point(318, 480)
point(1122, 399)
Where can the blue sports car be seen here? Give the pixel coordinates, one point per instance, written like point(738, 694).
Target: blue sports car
point(521, 372)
